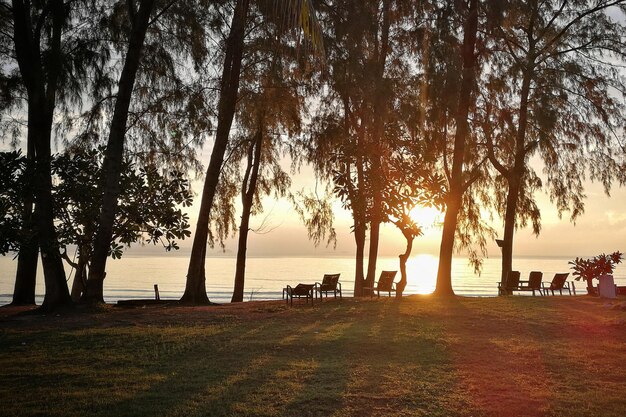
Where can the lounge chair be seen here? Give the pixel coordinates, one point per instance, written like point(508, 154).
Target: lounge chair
point(533, 284)
point(385, 283)
point(559, 283)
point(510, 284)
point(330, 283)
point(300, 291)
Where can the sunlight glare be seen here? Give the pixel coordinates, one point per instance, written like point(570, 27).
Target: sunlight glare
point(426, 217)
point(421, 273)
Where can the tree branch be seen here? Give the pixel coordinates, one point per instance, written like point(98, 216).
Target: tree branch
point(163, 10)
point(599, 7)
point(475, 175)
point(492, 157)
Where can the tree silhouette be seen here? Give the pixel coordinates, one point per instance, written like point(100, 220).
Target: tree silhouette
point(151, 95)
point(553, 95)
point(455, 108)
point(148, 209)
point(40, 50)
point(299, 14)
point(410, 184)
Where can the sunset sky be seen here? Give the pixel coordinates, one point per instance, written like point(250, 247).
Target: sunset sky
point(602, 228)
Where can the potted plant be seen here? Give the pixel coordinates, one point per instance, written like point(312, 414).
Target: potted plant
point(593, 268)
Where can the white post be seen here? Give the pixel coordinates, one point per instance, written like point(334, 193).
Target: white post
point(606, 287)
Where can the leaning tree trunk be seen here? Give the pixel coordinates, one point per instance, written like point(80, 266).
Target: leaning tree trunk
point(26, 274)
point(456, 190)
point(444, 271)
point(400, 286)
point(195, 287)
point(248, 191)
point(115, 153)
point(80, 276)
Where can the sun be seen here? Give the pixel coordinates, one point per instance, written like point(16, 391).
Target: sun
point(426, 217)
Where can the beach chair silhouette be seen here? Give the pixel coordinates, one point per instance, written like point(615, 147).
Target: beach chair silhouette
point(510, 284)
point(559, 283)
point(533, 284)
point(385, 284)
point(330, 283)
point(306, 291)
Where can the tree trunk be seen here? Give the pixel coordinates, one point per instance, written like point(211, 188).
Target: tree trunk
point(26, 274)
point(444, 271)
point(373, 252)
point(358, 213)
point(115, 153)
point(380, 111)
point(80, 277)
point(41, 87)
point(515, 178)
point(512, 199)
point(248, 191)
point(456, 186)
point(359, 276)
point(400, 286)
point(195, 288)
point(57, 294)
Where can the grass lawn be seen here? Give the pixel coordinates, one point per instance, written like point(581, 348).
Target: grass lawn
point(507, 356)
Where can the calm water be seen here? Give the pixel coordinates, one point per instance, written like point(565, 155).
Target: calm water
point(134, 277)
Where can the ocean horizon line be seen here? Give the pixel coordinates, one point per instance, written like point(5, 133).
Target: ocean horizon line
point(338, 256)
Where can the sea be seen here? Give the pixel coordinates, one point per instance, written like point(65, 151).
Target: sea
point(134, 277)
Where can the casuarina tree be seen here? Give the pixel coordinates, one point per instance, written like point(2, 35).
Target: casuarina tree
point(291, 14)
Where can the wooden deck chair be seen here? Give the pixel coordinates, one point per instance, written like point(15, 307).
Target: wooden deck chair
point(385, 283)
point(533, 284)
point(306, 291)
point(330, 283)
point(559, 283)
point(511, 283)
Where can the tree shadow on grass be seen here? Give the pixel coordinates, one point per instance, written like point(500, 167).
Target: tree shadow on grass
point(498, 353)
point(304, 368)
point(355, 358)
point(399, 366)
point(260, 372)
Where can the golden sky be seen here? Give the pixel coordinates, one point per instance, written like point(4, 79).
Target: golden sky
point(602, 228)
